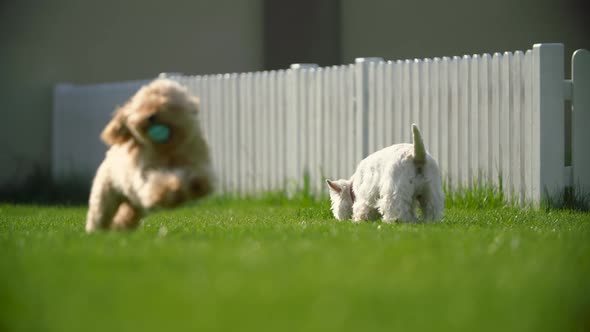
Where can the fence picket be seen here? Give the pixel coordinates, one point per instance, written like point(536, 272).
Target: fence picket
point(464, 121)
point(388, 110)
point(485, 160)
point(445, 163)
point(249, 145)
point(425, 116)
point(505, 123)
point(398, 102)
point(454, 130)
point(474, 122)
point(406, 101)
point(415, 109)
point(527, 116)
point(348, 93)
point(516, 123)
point(495, 122)
point(380, 109)
point(372, 112)
point(334, 125)
point(436, 141)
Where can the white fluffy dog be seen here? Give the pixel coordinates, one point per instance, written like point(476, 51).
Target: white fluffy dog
point(391, 182)
point(158, 158)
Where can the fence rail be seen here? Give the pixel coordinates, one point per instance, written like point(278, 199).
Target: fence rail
point(495, 119)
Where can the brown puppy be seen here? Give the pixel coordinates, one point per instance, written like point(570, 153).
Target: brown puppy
point(158, 158)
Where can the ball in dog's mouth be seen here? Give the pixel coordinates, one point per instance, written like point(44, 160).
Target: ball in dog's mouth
point(159, 133)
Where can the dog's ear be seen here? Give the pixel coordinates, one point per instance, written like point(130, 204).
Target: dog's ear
point(334, 186)
point(195, 104)
point(116, 131)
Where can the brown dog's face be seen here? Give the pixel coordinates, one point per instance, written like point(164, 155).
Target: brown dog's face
point(162, 103)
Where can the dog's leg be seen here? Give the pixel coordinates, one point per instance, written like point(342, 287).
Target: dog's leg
point(397, 202)
point(127, 217)
point(401, 209)
point(432, 202)
point(361, 211)
point(103, 204)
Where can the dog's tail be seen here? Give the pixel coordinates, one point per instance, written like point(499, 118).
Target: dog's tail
point(419, 150)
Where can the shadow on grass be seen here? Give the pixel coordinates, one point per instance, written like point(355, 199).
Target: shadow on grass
point(571, 198)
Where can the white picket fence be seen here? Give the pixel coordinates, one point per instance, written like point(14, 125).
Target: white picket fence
point(484, 117)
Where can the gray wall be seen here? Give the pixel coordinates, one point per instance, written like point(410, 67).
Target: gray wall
point(421, 28)
point(46, 42)
point(301, 31)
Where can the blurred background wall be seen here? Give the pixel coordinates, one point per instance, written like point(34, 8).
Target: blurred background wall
point(79, 41)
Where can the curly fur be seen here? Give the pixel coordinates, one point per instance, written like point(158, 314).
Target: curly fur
point(139, 174)
point(392, 183)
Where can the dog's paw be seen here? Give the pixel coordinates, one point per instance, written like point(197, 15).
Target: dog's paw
point(166, 192)
point(173, 193)
point(90, 227)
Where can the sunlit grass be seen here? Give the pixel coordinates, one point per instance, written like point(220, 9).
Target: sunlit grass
point(278, 264)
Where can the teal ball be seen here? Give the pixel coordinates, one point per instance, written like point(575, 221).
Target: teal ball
point(159, 133)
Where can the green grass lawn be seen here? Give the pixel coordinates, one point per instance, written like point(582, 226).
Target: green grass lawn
point(272, 265)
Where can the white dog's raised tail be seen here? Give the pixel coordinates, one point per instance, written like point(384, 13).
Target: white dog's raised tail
point(419, 150)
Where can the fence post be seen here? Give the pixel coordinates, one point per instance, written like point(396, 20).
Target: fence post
point(581, 120)
point(361, 88)
point(548, 120)
point(297, 108)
